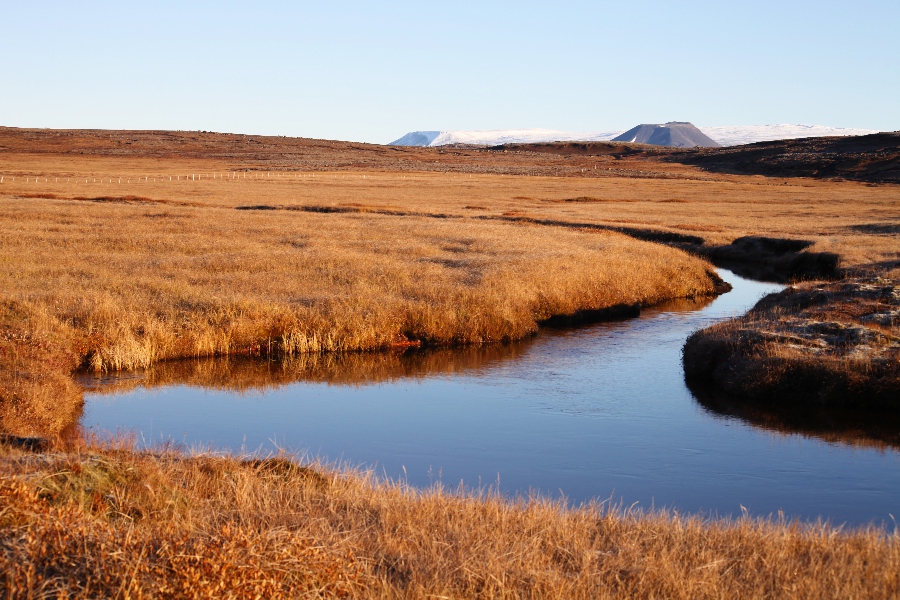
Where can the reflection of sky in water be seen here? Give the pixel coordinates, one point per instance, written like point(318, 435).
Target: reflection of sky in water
point(590, 412)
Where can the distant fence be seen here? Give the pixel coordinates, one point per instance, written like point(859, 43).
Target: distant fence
point(158, 178)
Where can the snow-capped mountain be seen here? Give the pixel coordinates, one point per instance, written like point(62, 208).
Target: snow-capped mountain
point(495, 137)
point(749, 134)
point(726, 136)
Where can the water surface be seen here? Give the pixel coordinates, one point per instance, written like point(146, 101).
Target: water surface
point(594, 412)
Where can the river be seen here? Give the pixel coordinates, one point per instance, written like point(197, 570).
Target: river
point(600, 411)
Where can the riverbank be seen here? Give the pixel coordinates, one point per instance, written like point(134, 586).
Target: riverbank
point(831, 344)
point(109, 520)
point(134, 284)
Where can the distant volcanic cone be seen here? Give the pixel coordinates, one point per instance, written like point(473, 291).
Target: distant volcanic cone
point(674, 133)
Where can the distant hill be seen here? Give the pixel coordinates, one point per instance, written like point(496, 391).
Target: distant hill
point(674, 133)
point(874, 158)
point(724, 136)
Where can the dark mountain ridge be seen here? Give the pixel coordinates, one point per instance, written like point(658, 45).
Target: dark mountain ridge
point(674, 133)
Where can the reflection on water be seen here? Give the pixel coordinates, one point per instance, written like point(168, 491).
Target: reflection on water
point(242, 374)
point(862, 429)
point(588, 412)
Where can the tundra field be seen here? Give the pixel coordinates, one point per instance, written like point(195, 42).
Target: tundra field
point(123, 249)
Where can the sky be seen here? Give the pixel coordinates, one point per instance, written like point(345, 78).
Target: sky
point(366, 71)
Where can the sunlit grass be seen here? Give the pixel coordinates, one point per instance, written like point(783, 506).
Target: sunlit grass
point(108, 521)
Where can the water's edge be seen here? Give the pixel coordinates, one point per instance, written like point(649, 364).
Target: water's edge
point(589, 412)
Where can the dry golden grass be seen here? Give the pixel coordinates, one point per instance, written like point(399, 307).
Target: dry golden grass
point(123, 275)
point(36, 388)
point(115, 523)
point(148, 271)
point(138, 284)
point(855, 220)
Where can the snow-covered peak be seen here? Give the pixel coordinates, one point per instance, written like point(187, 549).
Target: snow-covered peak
point(495, 137)
point(726, 136)
point(749, 134)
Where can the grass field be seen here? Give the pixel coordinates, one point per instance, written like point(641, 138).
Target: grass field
point(159, 271)
point(308, 248)
point(110, 522)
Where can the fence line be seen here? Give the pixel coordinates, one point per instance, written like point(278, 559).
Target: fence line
point(193, 177)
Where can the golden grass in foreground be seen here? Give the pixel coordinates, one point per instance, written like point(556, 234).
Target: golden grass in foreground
point(116, 523)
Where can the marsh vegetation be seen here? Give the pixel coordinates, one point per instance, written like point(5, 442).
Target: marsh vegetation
point(365, 249)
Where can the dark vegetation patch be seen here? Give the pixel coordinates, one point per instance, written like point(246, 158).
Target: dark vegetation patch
point(877, 228)
point(127, 199)
point(344, 209)
point(28, 443)
point(834, 344)
point(652, 235)
point(775, 259)
point(588, 200)
point(614, 149)
point(581, 317)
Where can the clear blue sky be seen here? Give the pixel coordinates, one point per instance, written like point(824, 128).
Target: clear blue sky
point(358, 71)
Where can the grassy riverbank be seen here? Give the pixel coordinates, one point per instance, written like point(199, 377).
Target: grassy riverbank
point(830, 344)
point(113, 522)
point(125, 283)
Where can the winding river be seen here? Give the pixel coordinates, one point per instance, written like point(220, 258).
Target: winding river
point(600, 411)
